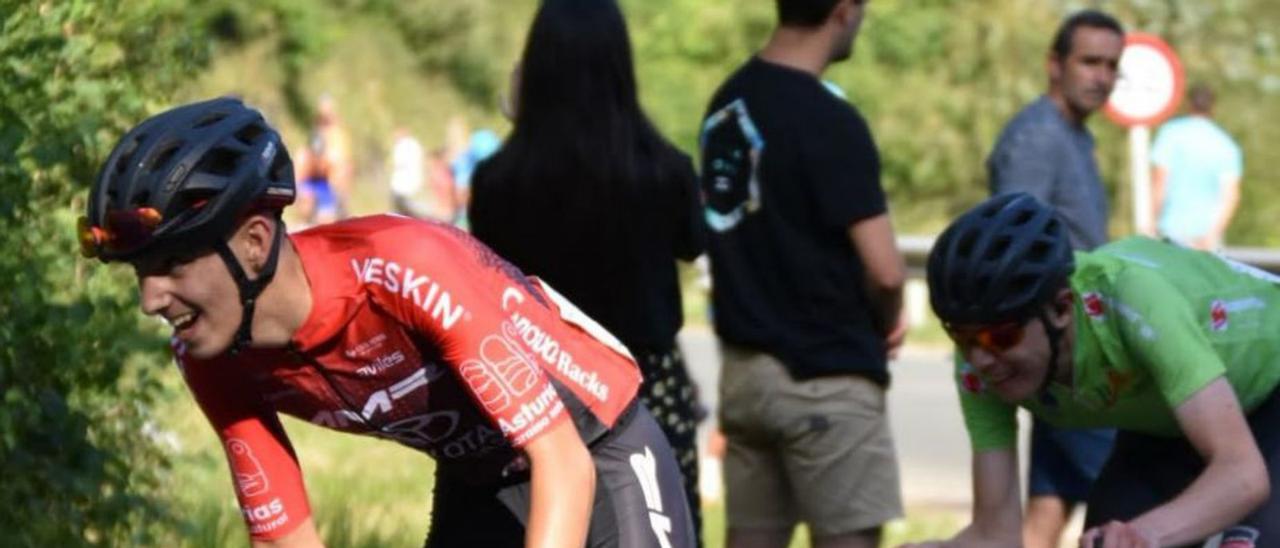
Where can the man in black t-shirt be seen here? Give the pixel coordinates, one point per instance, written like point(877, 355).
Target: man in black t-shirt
point(807, 290)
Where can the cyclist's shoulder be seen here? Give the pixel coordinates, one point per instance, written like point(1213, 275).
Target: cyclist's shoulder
point(383, 234)
point(1129, 260)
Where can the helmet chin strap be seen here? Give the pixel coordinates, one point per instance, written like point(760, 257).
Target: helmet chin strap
point(249, 289)
point(1055, 335)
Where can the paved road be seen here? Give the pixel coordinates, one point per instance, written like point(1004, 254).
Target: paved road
point(923, 411)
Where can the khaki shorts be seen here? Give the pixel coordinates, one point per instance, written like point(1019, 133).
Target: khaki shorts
point(816, 451)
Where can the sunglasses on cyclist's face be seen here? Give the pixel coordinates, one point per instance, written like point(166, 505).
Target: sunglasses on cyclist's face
point(995, 338)
point(125, 230)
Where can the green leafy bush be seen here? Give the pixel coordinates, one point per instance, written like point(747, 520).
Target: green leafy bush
point(75, 378)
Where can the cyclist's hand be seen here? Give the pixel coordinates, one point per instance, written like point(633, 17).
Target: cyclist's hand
point(1117, 535)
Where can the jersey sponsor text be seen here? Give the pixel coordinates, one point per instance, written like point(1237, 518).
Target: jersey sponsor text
point(532, 416)
point(265, 518)
point(546, 347)
point(407, 284)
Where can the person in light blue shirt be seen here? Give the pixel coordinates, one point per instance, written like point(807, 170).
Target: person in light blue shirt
point(1196, 176)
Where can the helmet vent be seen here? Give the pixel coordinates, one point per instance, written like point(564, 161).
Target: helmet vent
point(996, 249)
point(1022, 283)
point(1039, 251)
point(126, 156)
point(194, 200)
point(162, 159)
point(249, 134)
point(209, 119)
point(1023, 217)
point(218, 161)
point(965, 246)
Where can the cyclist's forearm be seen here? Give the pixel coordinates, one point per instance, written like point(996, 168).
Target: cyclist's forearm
point(560, 511)
point(563, 488)
point(1225, 492)
point(997, 506)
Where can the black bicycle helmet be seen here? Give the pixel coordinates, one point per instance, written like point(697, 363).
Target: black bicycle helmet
point(183, 178)
point(999, 262)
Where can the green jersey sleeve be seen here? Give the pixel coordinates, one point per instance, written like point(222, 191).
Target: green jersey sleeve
point(992, 424)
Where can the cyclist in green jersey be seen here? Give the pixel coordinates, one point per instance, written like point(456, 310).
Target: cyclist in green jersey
point(1178, 349)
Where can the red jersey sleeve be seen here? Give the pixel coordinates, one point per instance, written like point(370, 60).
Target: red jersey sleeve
point(438, 282)
point(264, 468)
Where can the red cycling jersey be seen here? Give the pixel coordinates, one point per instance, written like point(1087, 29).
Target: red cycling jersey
point(417, 333)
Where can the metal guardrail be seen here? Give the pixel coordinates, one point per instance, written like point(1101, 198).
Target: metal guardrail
point(915, 249)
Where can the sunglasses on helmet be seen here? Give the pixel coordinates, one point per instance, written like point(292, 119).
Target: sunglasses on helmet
point(125, 230)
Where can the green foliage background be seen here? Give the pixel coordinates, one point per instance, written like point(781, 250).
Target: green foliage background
point(76, 364)
point(937, 79)
point(80, 371)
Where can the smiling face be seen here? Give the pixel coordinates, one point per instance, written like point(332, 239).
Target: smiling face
point(196, 295)
point(1013, 358)
point(1083, 79)
point(1013, 372)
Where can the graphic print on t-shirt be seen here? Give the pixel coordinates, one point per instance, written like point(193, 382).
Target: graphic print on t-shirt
point(733, 148)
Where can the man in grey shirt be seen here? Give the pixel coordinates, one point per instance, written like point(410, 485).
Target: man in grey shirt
point(1046, 151)
point(1044, 154)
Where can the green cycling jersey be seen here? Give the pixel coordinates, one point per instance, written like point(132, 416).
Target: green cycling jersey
point(1154, 323)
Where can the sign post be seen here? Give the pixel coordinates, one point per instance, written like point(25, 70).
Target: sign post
point(1148, 90)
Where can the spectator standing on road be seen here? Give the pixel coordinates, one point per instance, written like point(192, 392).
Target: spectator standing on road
point(336, 147)
point(588, 196)
point(1047, 152)
point(324, 169)
point(317, 202)
point(1195, 180)
point(807, 288)
point(408, 175)
point(412, 183)
point(441, 187)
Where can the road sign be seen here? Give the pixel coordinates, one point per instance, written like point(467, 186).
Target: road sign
point(1150, 84)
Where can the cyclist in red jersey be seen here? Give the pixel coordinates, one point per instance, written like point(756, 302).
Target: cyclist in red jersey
point(383, 326)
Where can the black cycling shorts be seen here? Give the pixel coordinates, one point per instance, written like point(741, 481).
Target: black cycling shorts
point(639, 500)
point(1146, 471)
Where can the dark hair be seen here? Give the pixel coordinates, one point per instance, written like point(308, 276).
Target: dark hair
point(581, 148)
point(585, 193)
point(1201, 98)
point(1062, 40)
point(804, 13)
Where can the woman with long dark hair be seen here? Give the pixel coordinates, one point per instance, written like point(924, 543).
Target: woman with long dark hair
point(587, 195)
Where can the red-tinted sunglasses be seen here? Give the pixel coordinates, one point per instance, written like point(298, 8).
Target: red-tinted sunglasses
point(125, 231)
point(995, 338)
